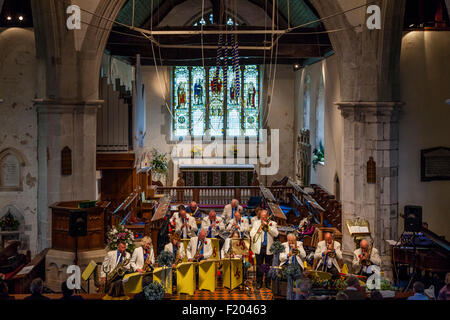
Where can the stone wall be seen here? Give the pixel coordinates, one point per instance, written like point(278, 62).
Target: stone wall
point(18, 123)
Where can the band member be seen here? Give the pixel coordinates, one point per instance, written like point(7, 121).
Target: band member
point(185, 225)
point(328, 252)
point(263, 234)
point(199, 248)
point(256, 217)
point(364, 257)
point(230, 209)
point(213, 225)
point(176, 247)
point(194, 210)
point(305, 228)
point(227, 246)
point(142, 255)
point(239, 224)
point(293, 251)
point(113, 258)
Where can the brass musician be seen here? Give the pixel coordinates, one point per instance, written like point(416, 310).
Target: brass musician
point(293, 252)
point(364, 257)
point(328, 253)
point(115, 264)
point(199, 248)
point(176, 247)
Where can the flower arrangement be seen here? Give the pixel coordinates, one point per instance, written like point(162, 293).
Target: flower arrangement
point(196, 151)
point(9, 223)
point(154, 291)
point(159, 162)
point(165, 259)
point(120, 233)
point(292, 271)
point(318, 155)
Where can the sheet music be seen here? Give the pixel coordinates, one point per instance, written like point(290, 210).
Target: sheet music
point(25, 270)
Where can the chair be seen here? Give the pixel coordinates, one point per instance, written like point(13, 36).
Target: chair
point(253, 203)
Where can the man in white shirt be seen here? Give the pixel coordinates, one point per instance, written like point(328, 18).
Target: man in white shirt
point(212, 224)
point(362, 263)
point(239, 224)
point(263, 234)
point(230, 209)
point(289, 256)
point(141, 254)
point(185, 225)
point(113, 258)
point(328, 253)
point(199, 248)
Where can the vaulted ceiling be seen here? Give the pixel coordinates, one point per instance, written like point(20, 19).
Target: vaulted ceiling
point(292, 48)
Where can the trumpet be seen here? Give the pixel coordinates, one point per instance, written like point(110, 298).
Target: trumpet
point(262, 227)
point(331, 254)
point(367, 262)
point(295, 251)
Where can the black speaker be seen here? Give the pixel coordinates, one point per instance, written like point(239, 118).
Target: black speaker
point(413, 218)
point(78, 223)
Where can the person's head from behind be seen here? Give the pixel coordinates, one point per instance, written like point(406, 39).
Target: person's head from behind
point(341, 296)
point(36, 286)
point(352, 281)
point(116, 289)
point(3, 288)
point(305, 286)
point(375, 295)
point(418, 287)
point(65, 290)
point(146, 281)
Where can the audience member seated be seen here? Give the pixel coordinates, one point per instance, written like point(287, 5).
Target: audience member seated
point(4, 291)
point(36, 287)
point(353, 290)
point(305, 286)
point(116, 292)
point(145, 282)
point(68, 294)
point(444, 294)
point(341, 296)
point(418, 289)
point(375, 295)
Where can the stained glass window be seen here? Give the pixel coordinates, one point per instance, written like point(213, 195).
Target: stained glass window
point(200, 104)
point(181, 101)
point(216, 102)
point(198, 110)
point(251, 100)
point(233, 103)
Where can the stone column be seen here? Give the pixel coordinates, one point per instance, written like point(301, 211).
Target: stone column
point(370, 130)
point(64, 123)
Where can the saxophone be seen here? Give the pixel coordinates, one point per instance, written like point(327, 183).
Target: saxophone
point(148, 264)
point(178, 256)
point(198, 252)
point(119, 271)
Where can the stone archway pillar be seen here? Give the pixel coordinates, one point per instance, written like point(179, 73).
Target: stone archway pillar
point(370, 130)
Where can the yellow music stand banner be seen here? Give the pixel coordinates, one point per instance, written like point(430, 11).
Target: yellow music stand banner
point(215, 248)
point(132, 282)
point(207, 275)
point(232, 268)
point(185, 244)
point(164, 274)
point(186, 278)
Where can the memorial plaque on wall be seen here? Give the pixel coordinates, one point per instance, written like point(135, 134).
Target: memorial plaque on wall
point(435, 164)
point(10, 177)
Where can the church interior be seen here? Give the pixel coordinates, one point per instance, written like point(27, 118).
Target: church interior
point(224, 149)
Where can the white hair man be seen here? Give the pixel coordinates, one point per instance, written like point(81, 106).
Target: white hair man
point(263, 234)
point(239, 224)
point(328, 252)
point(212, 224)
point(113, 258)
point(185, 224)
point(199, 248)
point(364, 258)
point(141, 254)
point(293, 253)
point(230, 209)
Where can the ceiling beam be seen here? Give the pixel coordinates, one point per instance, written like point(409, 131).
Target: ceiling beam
point(159, 13)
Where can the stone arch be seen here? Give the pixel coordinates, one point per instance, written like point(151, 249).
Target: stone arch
point(12, 163)
point(19, 216)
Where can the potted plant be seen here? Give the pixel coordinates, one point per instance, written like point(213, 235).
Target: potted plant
point(9, 223)
point(318, 155)
point(159, 164)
